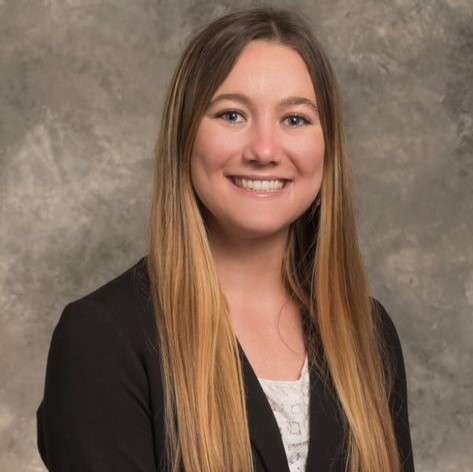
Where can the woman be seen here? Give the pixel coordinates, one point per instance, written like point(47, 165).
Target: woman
point(269, 354)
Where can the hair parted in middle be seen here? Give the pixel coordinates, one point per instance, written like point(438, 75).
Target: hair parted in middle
point(205, 406)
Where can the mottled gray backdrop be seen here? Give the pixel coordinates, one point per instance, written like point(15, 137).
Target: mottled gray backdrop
point(81, 84)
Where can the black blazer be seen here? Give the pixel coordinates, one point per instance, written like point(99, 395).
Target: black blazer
point(102, 409)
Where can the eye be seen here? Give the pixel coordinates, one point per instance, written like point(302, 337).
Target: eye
point(232, 116)
point(295, 121)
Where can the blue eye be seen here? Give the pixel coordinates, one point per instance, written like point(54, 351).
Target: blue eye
point(231, 116)
point(294, 121)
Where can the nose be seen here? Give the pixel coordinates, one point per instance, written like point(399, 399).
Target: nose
point(263, 145)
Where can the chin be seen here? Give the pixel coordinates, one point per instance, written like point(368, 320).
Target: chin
point(257, 231)
point(248, 227)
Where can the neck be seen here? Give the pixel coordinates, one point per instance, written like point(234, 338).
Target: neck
point(249, 268)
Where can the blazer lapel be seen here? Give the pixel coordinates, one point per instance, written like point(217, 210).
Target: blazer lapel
point(327, 450)
point(264, 431)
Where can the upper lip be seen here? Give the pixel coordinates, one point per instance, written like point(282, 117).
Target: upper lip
point(257, 177)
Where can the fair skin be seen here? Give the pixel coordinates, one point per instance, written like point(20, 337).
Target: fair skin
point(257, 165)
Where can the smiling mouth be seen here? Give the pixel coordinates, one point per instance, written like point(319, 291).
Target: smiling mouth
point(259, 185)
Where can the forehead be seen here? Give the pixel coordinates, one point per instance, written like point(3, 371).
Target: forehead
point(266, 67)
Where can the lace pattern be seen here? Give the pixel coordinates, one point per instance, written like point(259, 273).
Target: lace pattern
point(289, 401)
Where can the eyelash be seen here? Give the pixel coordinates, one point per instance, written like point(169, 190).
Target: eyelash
point(304, 120)
point(225, 116)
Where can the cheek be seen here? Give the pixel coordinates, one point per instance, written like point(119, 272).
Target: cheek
point(311, 156)
point(212, 147)
point(207, 161)
point(200, 157)
point(199, 173)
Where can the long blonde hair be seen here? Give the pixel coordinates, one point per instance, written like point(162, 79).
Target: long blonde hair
point(204, 406)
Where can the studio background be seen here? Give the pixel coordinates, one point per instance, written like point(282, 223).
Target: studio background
point(81, 87)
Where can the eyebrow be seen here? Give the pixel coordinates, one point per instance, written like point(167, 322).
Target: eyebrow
point(285, 102)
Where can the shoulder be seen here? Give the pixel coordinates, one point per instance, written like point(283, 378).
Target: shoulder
point(385, 325)
point(393, 358)
point(121, 310)
point(392, 353)
point(103, 376)
point(129, 290)
point(390, 342)
point(106, 338)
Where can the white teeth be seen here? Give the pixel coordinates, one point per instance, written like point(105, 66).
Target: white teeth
point(259, 185)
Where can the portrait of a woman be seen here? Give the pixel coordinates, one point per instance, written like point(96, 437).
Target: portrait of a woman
point(246, 339)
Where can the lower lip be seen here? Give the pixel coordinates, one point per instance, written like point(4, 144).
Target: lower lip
point(261, 193)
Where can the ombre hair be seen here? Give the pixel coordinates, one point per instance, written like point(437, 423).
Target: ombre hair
point(204, 391)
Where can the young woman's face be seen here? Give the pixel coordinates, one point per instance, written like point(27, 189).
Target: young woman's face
point(257, 160)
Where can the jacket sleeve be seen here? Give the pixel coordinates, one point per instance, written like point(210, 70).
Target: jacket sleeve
point(95, 415)
point(398, 398)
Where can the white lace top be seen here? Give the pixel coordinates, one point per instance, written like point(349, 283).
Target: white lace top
point(289, 401)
